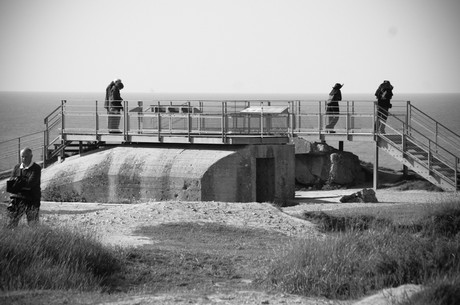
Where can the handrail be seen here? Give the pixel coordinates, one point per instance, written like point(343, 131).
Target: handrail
point(16, 138)
point(430, 153)
point(10, 149)
point(448, 136)
point(448, 129)
point(426, 138)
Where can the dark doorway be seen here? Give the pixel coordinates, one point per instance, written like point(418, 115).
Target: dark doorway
point(265, 179)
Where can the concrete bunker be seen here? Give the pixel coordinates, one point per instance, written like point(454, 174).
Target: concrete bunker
point(230, 173)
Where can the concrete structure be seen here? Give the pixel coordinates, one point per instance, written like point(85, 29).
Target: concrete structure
point(231, 173)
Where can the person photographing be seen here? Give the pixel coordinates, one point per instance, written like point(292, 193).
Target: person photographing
point(26, 194)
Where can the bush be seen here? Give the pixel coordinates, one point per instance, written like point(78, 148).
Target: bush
point(364, 254)
point(331, 223)
point(445, 291)
point(45, 258)
point(442, 219)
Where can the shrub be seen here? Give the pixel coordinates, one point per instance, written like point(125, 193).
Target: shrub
point(442, 219)
point(45, 258)
point(365, 253)
point(445, 291)
point(352, 264)
point(332, 223)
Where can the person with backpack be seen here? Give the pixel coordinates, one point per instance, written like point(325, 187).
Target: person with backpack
point(332, 109)
point(384, 94)
point(113, 105)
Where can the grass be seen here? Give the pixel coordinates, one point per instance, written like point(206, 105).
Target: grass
point(364, 253)
point(185, 257)
point(363, 250)
point(53, 258)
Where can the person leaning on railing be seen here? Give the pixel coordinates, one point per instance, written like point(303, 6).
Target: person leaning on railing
point(113, 105)
point(332, 110)
point(384, 93)
point(24, 185)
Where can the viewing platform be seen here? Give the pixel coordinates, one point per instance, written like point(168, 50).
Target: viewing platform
point(216, 122)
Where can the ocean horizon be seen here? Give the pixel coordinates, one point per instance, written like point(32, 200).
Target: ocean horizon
point(23, 113)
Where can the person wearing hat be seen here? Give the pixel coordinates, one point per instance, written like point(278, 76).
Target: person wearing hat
point(332, 109)
point(384, 93)
point(113, 105)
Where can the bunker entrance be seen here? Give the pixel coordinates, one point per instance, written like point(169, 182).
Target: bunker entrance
point(265, 179)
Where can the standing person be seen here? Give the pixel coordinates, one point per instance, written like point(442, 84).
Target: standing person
point(384, 93)
point(27, 198)
point(113, 105)
point(332, 110)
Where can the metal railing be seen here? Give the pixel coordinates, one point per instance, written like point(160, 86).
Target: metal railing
point(232, 118)
point(421, 123)
point(424, 146)
point(11, 151)
point(181, 118)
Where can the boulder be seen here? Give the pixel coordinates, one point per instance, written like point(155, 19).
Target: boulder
point(318, 164)
point(364, 196)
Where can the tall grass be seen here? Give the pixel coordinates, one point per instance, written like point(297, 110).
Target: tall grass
point(364, 258)
point(43, 258)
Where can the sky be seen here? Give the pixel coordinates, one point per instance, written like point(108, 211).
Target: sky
point(230, 46)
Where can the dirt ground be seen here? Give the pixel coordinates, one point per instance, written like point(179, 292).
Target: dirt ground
point(115, 225)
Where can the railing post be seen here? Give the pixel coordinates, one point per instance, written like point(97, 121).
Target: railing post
point(97, 119)
point(45, 142)
point(408, 118)
point(189, 122)
point(249, 118)
point(299, 116)
point(375, 119)
point(44, 158)
point(261, 119)
point(63, 102)
point(319, 118)
point(223, 125)
point(201, 125)
point(159, 121)
point(140, 117)
point(347, 120)
point(291, 118)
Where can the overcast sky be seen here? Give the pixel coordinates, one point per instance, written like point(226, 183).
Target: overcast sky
point(235, 46)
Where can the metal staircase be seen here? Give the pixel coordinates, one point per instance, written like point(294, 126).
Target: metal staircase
point(423, 145)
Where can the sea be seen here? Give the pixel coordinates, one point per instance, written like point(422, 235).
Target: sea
point(23, 113)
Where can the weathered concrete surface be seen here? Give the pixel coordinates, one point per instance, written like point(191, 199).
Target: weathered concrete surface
point(319, 164)
point(191, 173)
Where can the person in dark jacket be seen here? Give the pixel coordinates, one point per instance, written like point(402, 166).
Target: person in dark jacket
point(113, 105)
point(384, 93)
point(27, 199)
point(332, 109)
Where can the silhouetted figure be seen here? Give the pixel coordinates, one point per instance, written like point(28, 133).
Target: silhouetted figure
point(384, 94)
point(332, 110)
point(113, 105)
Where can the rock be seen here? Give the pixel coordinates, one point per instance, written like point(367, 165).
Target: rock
point(321, 164)
point(345, 168)
point(364, 196)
